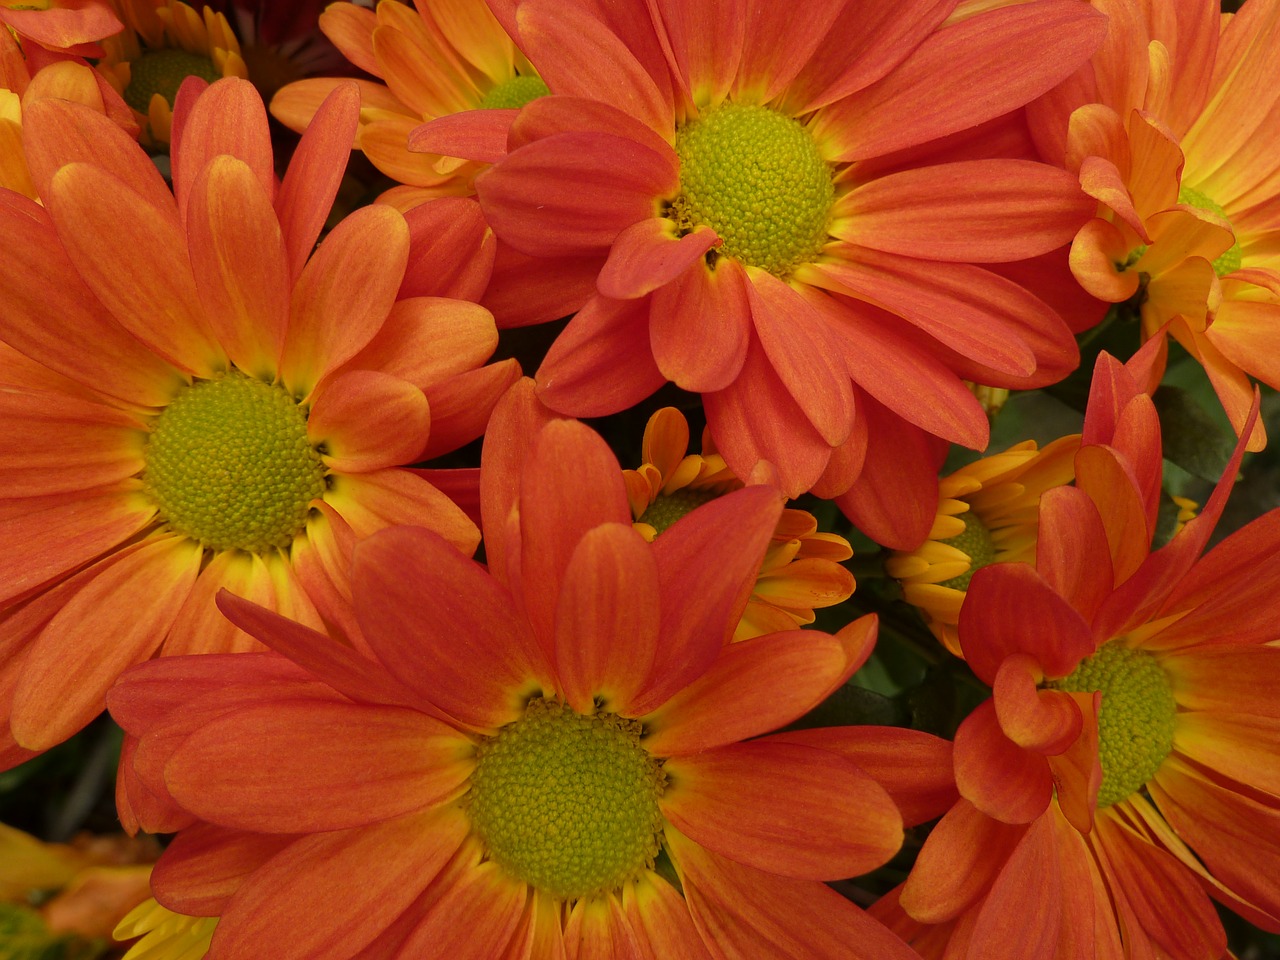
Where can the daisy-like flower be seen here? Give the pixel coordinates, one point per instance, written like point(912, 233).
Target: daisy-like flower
point(988, 512)
point(32, 74)
point(63, 26)
point(1169, 128)
point(503, 775)
point(163, 934)
point(434, 59)
point(438, 61)
point(244, 408)
point(801, 569)
point(1125, 770)
point(780, 232)
point(164, 42)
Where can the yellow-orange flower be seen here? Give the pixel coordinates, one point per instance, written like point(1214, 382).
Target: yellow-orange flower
point(988, 512)
point(163, 43)
point(437, 60)
point(21, 83)
point(245, 410)
point(1171, 129)
point(801, 569)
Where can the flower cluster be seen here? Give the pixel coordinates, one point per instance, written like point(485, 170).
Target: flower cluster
point(948, 643)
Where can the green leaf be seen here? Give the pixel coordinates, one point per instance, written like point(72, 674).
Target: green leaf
point(1193, 439)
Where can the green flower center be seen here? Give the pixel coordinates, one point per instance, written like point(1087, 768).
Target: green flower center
point(228, 463)
point(568, 802)
point(514, 93)
point(1231, 259)
point(667, 508)
point(756, 178)
point(977, 544)
point(1135, 722)
point(162, 71)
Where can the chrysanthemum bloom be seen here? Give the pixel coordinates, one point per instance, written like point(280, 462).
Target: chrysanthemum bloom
point(771, 237)
point(434, 59)
point(1170, 128)
point(165, 935)
point(1125, 770)
point(507, 778)
point(63, 26)
point(988, 512)
point(33, 74)
point(243, 408)
point(801, 569)
point(163, 43)
point(444, 60)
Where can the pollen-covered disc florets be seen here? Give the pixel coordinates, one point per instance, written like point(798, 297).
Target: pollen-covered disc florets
point(568, 802)
point(1230, 259)
point(228, 464)
point(667, 508)
point(162, 71)
point(977, 544)
point(1135, 720)
point(757, 179)
point(514, 93)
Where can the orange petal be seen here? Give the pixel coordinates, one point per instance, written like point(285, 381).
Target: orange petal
point(127, 607)
point(462, 405)
point(610, 590)
point(571, 483)
point(650, 254)
point(445, 628)
point(316, 872)
point(350, 28)
point(815, 816)
point(344, 295)
point(997, 776)
point(368, 421)
point(200, 626)
point(959, 861)
point(308, 750)
point(315, 170)
point(238, 259)
point(40, 283)
point(971, 211)
point(707, 561)
point(605, 334)
point(475, 918)
point(1097, 255)
point(204, 865)
point(915, 767)
point(368, 502)
point(1047, 721)
point(228, 118)
point(451, 250)
point(428, 339)
point(699, 327)
point(755, 686)
point(660, 919)
point(1022, 914)
point(759, 916)
point(1242, 746)
point(133, 254)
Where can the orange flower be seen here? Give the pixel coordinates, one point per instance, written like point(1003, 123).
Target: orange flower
point(987, 513)
point(443, 58)
point(23, 81)
point(1176, 147)
point(166, 41)
point(801, 568)
point(506, 778)
point(1125, 769)
point(62, 26)
point(780, 231)
point(245, 406)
